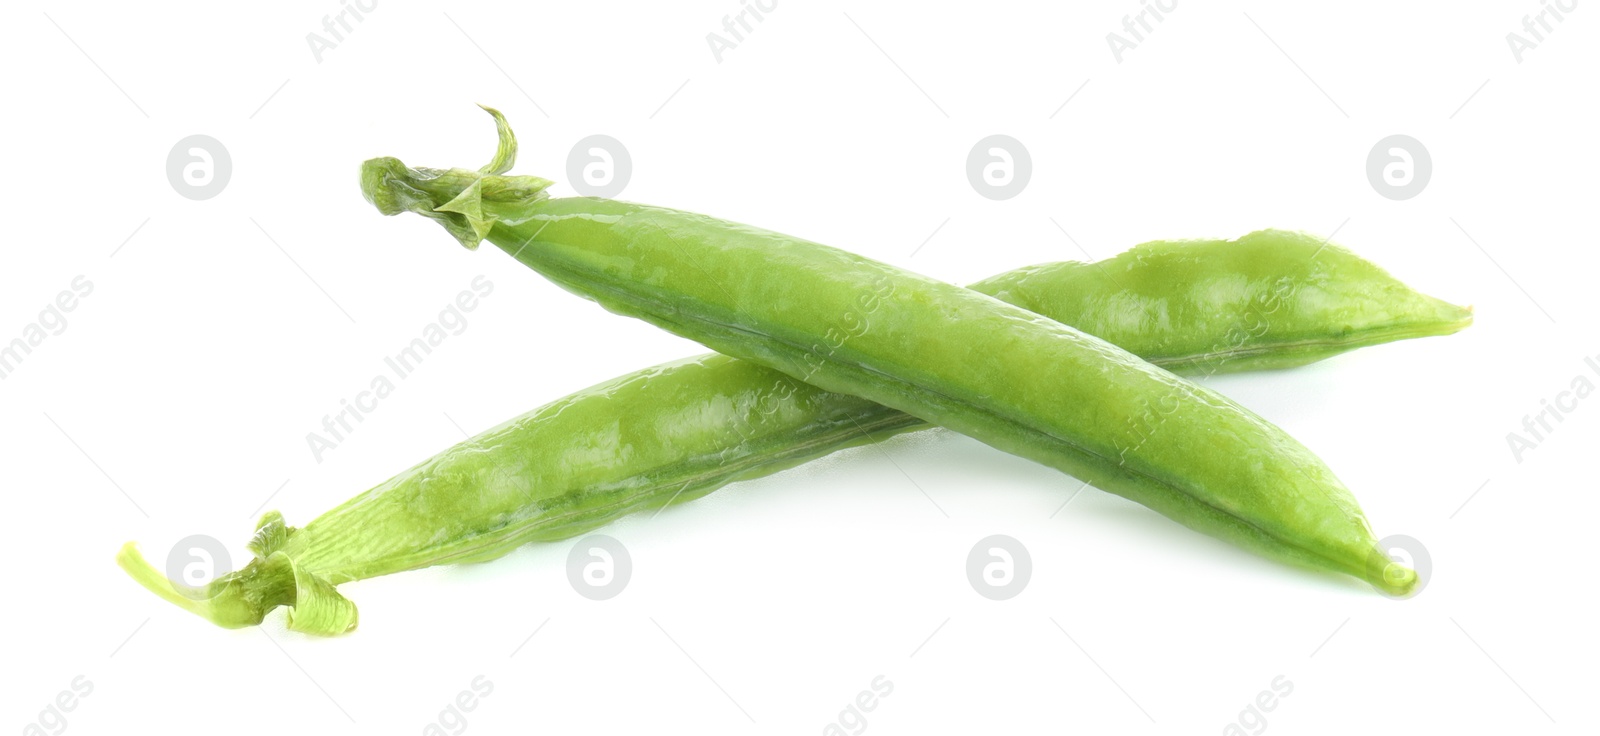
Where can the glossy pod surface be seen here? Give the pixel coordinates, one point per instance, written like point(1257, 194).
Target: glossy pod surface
point(1000, 374)
point(662, 435)
point(1270, 299)
point(993, 371)
point(671, 433)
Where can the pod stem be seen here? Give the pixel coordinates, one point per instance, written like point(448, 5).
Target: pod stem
point(243, 597)
point(232, 601)
point(466, 203)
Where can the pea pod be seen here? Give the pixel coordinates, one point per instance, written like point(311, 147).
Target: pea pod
point(659, 436)
point(692, 426)
point(948, 355)
point(689, 428)
point(1270, 299)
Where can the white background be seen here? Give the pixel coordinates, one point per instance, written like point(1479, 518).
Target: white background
point(219, 333)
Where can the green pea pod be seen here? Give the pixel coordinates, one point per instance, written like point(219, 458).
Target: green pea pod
point(990, 370)
point(1271, 299)
point(660, 436)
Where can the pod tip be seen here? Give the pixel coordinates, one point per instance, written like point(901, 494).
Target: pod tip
point(1398, 581)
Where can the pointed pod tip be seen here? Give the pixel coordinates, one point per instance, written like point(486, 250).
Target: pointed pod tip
point(1463, 318)
point(1392, 577)
point(1399, 581)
